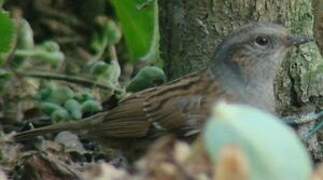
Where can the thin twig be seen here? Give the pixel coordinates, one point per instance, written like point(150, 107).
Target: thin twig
point(113, 53)
point(313, 131)
point(71, 79)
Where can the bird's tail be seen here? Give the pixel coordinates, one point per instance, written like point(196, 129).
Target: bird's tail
point(75, 126)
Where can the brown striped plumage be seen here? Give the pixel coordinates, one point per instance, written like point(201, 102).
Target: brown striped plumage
point(243, 70)
point(164, 108)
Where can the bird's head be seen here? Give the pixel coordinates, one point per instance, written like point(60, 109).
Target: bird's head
point(255, 51)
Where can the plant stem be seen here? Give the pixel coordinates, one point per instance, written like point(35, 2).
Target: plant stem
point(71, 79)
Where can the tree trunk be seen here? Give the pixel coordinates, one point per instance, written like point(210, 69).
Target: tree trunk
point(191, 29)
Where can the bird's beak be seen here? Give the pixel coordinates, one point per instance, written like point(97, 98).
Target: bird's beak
point(298, 40)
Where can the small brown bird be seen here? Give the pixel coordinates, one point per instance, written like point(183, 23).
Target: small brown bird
point(242, 70)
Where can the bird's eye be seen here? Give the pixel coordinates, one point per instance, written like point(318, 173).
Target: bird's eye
point(262, 41)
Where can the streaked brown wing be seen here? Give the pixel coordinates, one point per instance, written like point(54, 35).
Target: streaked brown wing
point(126, 120)
point(181, 105)
point(184, 114)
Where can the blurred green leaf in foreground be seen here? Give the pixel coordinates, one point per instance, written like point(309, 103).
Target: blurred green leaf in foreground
point(272, 150)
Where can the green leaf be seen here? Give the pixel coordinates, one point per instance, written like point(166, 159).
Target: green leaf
point(140, 27)
point(99, 68)
point(7, 32)
point(48, 52)
point(48, 107)
point(84, 97)
point(25, 35)
point(74, 108)
point(60, 95)
point(147, 77)
point(60, 115)
point(272, 149)
point(91, 106)
point(109, 30)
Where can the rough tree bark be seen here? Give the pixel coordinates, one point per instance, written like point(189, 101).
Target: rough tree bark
point(190, 30)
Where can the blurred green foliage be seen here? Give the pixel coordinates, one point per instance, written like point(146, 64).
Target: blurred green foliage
point(108, 34)
point(7, 32)
point(139, 21)
point(48, 52)
point(25, 39)
point(63, 104)
point(5, 76)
